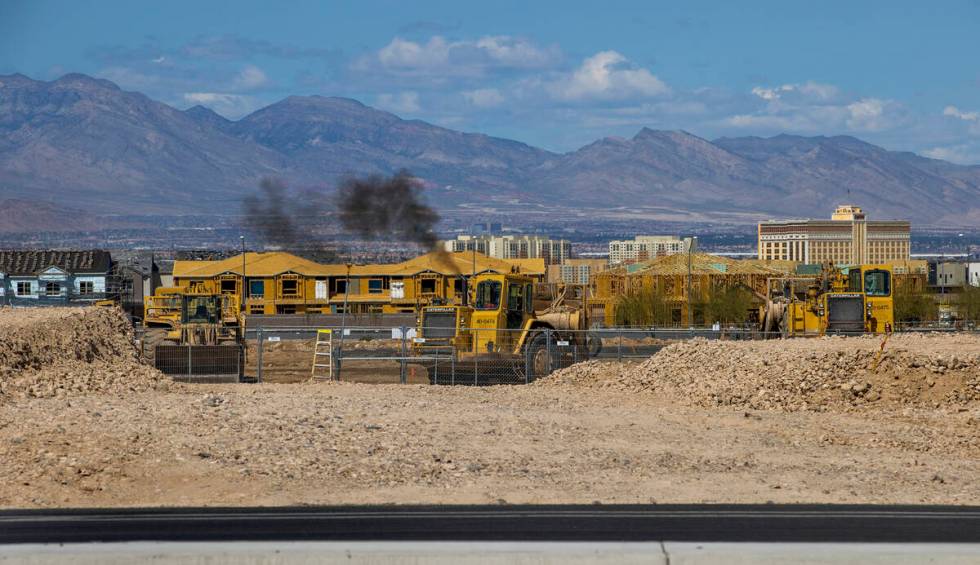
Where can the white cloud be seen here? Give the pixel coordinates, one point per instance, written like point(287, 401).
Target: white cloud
point(957, 113)
point(249, 78)
point(809, 89)
point(484, 97)
point(402, 103)
point(962, 154)
point(812, 108)
point(867, 114)
point(228, 105)
point(402, 54)
point(438, 56)
point(607, 75)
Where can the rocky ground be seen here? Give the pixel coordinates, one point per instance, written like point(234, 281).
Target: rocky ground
point(588, 434)
point(799, 374)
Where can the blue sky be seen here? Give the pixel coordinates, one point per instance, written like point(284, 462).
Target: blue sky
point(905, 75)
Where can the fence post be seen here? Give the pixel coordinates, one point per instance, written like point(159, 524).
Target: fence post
point(259, 346)
point(404, 367)
point(476, 357)
point(190, 367)
point(619, 347)
point(548, 336)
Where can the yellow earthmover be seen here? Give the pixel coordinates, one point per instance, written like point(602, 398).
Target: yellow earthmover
point(841, 300)
point(174, 316)
point(508, 322)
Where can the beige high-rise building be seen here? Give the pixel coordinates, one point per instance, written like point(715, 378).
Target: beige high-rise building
point(646, 247)
point(553, 251)
point(847, 238)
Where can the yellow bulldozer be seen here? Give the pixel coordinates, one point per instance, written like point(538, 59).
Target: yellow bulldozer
point(508, 324)
point(840, 300)
point(174, 316)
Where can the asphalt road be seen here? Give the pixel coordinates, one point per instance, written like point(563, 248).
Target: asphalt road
point(626, 523)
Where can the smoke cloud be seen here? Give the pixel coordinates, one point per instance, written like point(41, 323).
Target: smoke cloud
point(267, 214)
point(390, 207)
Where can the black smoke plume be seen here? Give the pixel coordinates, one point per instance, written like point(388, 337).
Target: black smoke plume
point(377, 207)
point(287, 220)
point(268, 215)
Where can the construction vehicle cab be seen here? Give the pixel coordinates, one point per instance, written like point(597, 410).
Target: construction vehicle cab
point(501, 321)
point(842, 300)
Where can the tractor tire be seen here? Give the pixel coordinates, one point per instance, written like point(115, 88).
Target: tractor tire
point(593, 344)
point(152, 337)
point(538, 360)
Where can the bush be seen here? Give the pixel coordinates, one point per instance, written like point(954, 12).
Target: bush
point(912, 306)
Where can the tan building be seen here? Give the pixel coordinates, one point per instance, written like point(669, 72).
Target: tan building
point(507, 247)
point(282, 283)
point(646, 247)
point(576, 271)
point(847, 238)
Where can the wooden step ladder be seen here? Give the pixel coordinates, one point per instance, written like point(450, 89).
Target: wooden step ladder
point(323, 356)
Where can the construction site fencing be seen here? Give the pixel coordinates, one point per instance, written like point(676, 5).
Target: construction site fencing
point(399, 355)
point(387, 355)
point(200, 363)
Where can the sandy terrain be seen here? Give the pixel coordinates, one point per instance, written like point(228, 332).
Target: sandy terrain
point(589, 434)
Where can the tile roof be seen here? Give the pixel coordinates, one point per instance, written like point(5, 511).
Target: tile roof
point(27, 263)
point(278, 262)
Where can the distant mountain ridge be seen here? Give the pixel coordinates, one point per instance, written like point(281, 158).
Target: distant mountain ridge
point(84, 143)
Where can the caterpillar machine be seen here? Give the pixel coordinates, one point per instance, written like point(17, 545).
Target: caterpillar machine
point(174, 317)
point(508, 329)
point(841, 300)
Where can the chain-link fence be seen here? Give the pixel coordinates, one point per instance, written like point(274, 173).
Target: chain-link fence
point(469, 357)
point(400, 355)
point(200, 363)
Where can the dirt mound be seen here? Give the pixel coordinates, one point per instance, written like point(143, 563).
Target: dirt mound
point(799, 374)
point(57, 351)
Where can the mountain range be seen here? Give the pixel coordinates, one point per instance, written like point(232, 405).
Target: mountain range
point(84, 144)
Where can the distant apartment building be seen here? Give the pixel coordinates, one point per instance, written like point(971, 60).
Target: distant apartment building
point(646, 247)
point(847, 238)
point(553, 251)
point(973, 273)
point(576, 271)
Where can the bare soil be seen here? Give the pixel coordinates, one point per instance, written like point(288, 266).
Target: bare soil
point(150, 442)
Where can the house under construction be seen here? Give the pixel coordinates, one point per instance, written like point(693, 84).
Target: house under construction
point(677, 278)
point(283, 283)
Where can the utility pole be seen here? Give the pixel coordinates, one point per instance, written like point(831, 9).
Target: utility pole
point(242, 297)
point(343, 317)
point(690, 314)
point(473, 275)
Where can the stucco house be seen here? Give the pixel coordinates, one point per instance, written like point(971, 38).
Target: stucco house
point(38, 278)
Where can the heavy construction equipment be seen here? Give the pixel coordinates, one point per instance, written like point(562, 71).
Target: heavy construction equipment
point(508, 324)
point(187, 318)
point(840, 300)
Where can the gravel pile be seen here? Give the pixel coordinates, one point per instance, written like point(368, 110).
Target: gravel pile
point(47, 352)
point(798, 374)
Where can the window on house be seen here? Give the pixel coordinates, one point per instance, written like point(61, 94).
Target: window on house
point(52, 289)
point(290, 287)
point(340, 285)
point(428, 286)
point(229, 286)
point(23, 288)
point(256, 289)
point(375, 286)
point(86, 287)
